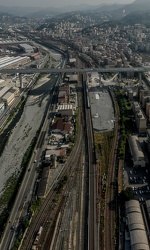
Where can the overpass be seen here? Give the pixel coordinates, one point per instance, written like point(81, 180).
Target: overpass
point(73, 70)
point(21, 71)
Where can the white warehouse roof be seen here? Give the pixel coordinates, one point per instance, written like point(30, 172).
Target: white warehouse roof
point(135, 148)
point(26, 46)
point(132, 204)
point(8, 95)
point(71, 60)
point(11, 60)
point(135, 221)
point(138, 237)
point(65, 106)
point(148, 207)
point(97, 96)
point(139, 240)
point(3, 91)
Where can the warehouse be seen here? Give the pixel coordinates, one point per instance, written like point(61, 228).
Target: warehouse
point(136, 152)
point(26, 48)
point(138, 237)
point(65, 109)
point(148, 207)
point(15, 91)
point(72, 78)
point(3, 91)
point(8, 98)
point(10, 62)
point(2, 107)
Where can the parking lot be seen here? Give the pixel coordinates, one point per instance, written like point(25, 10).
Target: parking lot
point(138, 179)
point(102, 109)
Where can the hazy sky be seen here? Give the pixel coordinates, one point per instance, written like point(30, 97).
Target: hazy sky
point(57, 3)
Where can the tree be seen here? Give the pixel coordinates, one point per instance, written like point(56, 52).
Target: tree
point(126, 195)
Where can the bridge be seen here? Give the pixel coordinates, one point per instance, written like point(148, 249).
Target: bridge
point(21, 71)
point(73, 70)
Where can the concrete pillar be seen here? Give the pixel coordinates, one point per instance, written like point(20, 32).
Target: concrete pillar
point(100, 78)
point(120, 76)
point(60, 78)
point(140, 78)
point(21, 82)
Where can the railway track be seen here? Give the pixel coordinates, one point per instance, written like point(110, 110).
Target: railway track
point(70, 186)
point(45, 211)
point(109, 227)
point(92, 230)
point(48, 204)
point(72, 213)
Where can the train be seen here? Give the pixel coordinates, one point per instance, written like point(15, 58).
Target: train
point(87, 99)
point(34, 247)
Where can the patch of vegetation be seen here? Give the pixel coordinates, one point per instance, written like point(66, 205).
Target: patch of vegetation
point(126, 121)
point(35, 204)
point(61, 184)
point(126, 195)
point(103, 145)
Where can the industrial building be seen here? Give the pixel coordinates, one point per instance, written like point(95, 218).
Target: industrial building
point(143, 93)
point(10, 62)
point(60, 126)
point(140, 118)
point(148, 111)
point(15, 91)
point(72, 78)
point(73, 99)
point(62, 97)
point(66, 109)
point(8, 98)
point(148, 139)
point(65, 87)
point(3, 91)
point(26, 48)
point(2, 107)
point(136, 233)
point(136, 152)
point(148, 208)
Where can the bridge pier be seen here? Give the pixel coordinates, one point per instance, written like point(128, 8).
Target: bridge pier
point(21, 82)
point(119, 76)
point(140, 78)
point(100, 78)
point(61, 75)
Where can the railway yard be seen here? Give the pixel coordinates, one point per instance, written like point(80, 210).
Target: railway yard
point(69, 193)
point(69, 214)
point(61, 213)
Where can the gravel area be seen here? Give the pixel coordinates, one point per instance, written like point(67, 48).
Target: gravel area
point(25, 130)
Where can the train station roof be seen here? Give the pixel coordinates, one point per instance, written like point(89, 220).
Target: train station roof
point(138, 237)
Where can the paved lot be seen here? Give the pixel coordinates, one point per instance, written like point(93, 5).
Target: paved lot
point(138, 180)
point(102, 109)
